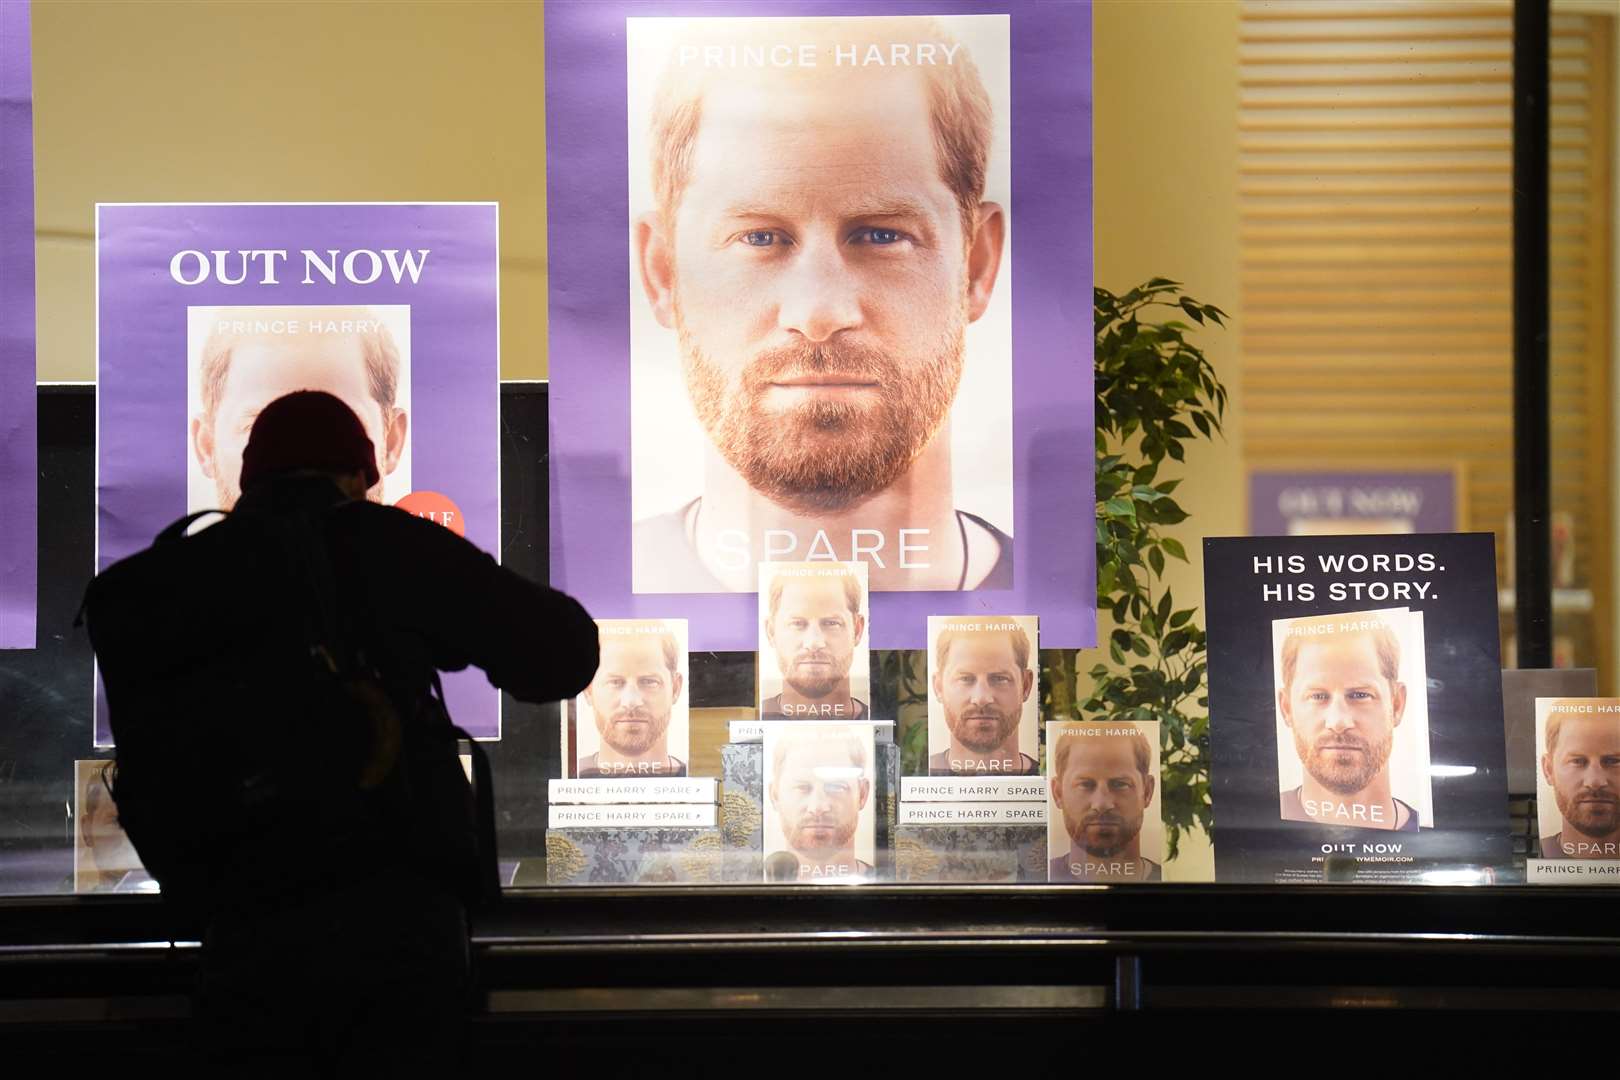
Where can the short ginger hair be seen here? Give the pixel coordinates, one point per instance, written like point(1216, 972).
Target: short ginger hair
point(1141, 749)
point(378, 347)
point(959, 108)
point(847, 579)
point(1385, 644)
point(954, 631)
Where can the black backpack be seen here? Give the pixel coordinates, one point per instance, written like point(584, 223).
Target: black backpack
point(261, 754)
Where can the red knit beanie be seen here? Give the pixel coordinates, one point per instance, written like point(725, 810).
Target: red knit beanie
point(307, 429)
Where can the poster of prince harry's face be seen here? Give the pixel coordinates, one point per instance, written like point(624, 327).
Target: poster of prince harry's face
point(792, 319)
point(821, 361)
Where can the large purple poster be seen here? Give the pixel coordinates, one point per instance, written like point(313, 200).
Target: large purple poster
point(821, 290)
point(18, 442)
point(208, 312)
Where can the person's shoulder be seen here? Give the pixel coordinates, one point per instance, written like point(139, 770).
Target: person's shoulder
point(1155, 872)
point(1552, 847)
point(1293, 805)
point(398, 526)
point(1031, 766)
point(1058, 869)
point(368, 511)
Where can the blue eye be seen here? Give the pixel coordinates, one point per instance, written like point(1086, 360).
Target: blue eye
point(759, 238)
point(881, 237)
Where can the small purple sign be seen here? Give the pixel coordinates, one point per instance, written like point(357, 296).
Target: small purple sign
point(19, 481)
point(209, 311)
point(820, 290)
point(1323, 503)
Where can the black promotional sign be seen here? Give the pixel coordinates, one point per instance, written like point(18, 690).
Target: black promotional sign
point(1355, 700)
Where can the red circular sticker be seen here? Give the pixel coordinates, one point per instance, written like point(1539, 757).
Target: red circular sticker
point(435, 507)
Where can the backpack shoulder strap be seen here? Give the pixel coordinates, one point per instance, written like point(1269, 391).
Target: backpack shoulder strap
point(175, 530)
point(483, 785)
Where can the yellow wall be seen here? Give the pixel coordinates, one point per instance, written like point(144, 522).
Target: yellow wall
point(283, 102)
point(1166, 87)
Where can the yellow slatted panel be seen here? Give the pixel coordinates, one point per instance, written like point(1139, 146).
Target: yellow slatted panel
point(1335, 11)
point(1471, 186)
point(1430, 120)
point(1409, 142)
point(1375, 149)
point(1316, 319)
point(1494, 209)
point(1283, 299)
point(1381, 55)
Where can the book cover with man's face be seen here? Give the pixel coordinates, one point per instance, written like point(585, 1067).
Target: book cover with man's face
point(823, 332)
point(1353, 720)
point(633, 720)
point(814, 657)
point(1104, 822)
point(820, 818)
point(1578, 778)
point(104, 860)
point(241, 358)
point(983, 695)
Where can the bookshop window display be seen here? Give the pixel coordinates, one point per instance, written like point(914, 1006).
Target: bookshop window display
point(817, 449)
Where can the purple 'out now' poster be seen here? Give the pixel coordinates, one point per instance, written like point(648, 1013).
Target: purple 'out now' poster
point(207, 312)
point(821, 290)
point(1329, 503)
point(18, 441)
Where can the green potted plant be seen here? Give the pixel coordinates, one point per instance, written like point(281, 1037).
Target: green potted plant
point(1150, 382)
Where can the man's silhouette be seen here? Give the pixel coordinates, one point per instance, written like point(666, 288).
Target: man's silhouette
point(332, 885)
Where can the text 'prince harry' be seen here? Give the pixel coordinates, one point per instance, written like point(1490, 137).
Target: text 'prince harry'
point(819, 245)
point(782, 55)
